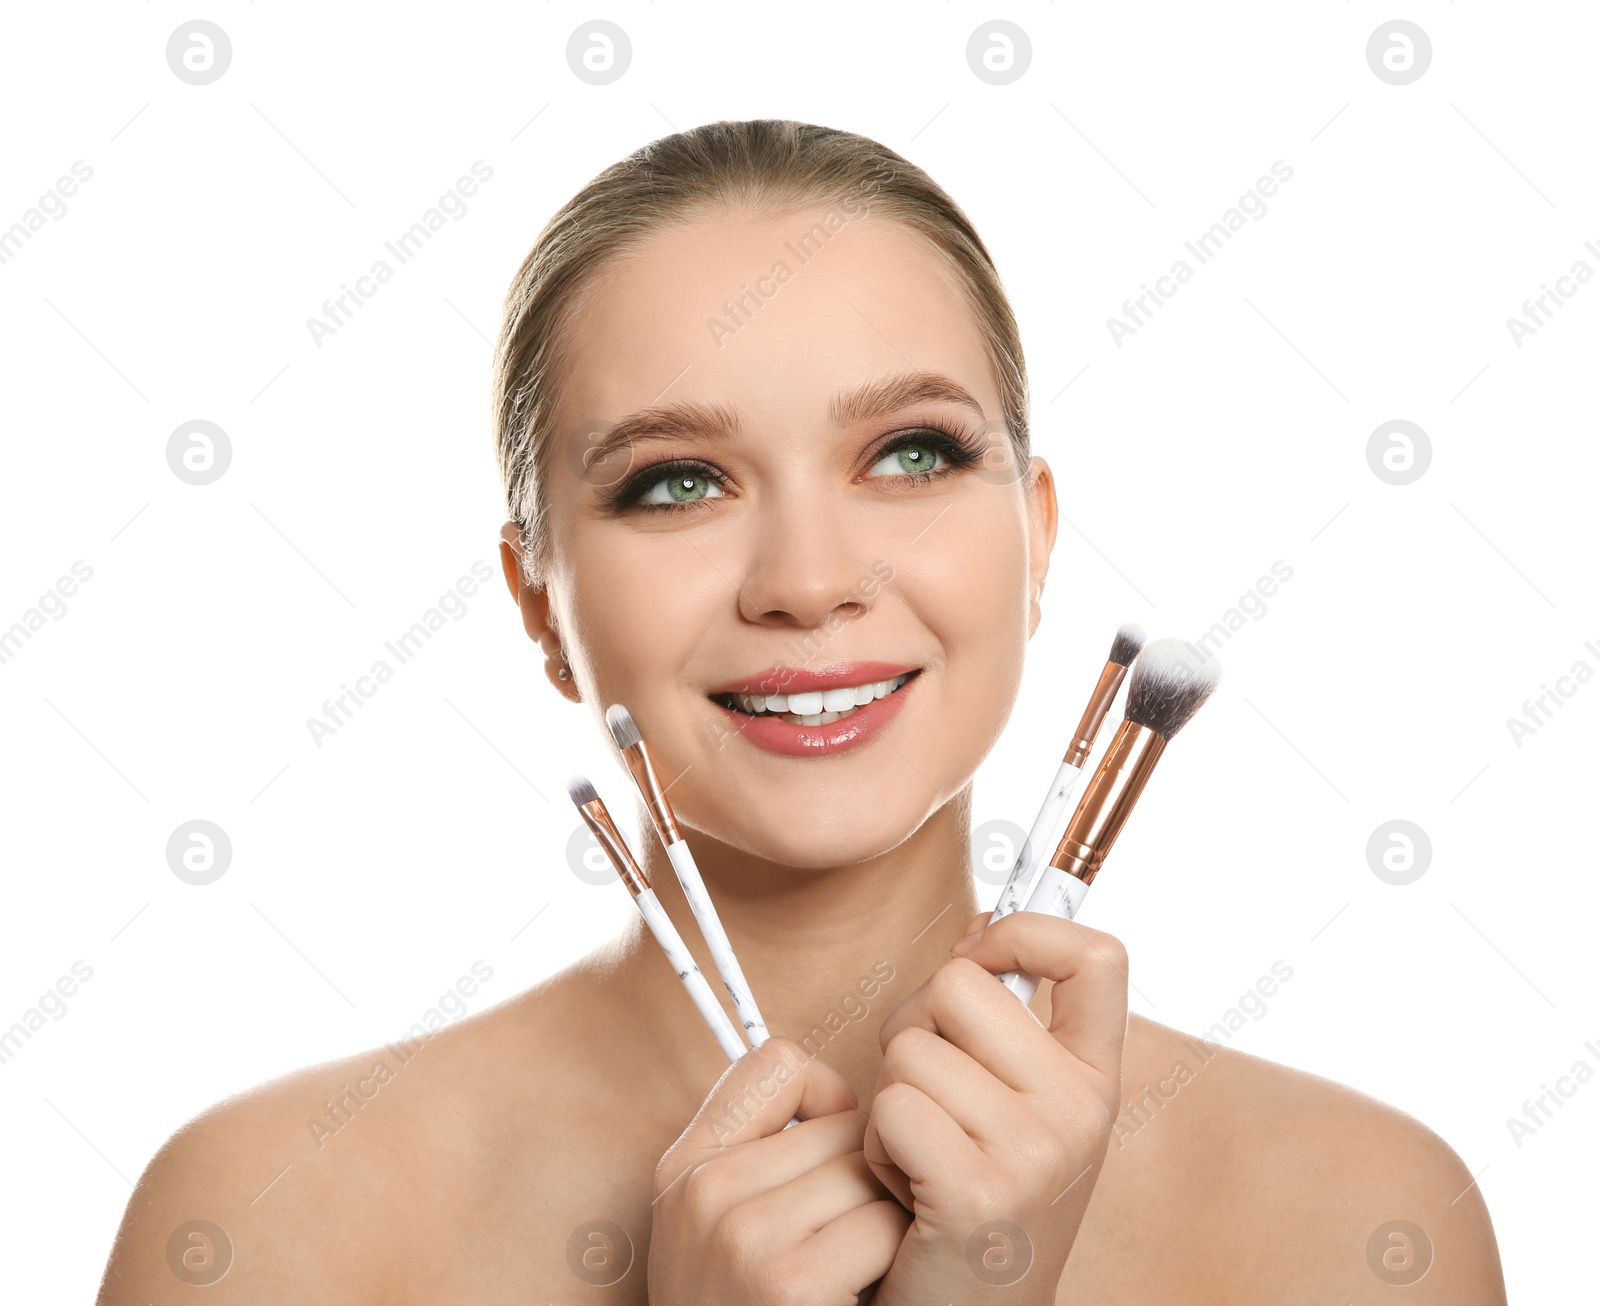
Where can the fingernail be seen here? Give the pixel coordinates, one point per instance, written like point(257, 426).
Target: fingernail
point(966, 943)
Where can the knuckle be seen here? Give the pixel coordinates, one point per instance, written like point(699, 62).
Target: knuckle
point(785, 1055)
point(1102, 949)
point(1113, 952)
point(892, 1103)
point(942, 982)
point(790, 1274)
point(953, 980)
point(902, 1050)
point(989, 1193)
point(705, 1191)
point(740, 1234)
point(1042, 1157)
point(1085, 1120)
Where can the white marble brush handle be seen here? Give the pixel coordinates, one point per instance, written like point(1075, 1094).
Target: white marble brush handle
point(1056, 894)
point(683, 962)
point(1036, 848)
point(705, 915)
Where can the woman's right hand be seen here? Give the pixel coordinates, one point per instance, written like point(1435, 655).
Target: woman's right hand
point(749, 1212)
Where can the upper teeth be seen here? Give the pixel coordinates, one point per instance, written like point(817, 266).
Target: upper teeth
point(816, 701)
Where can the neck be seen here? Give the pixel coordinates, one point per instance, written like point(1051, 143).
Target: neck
point(828, 953)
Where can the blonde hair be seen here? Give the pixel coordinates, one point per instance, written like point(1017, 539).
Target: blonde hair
point(769, 165)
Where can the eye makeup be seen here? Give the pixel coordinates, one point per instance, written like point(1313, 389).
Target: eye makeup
point(959, 447)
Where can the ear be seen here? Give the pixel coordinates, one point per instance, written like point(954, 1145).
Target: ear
point(1043, 518)
point(534, 602)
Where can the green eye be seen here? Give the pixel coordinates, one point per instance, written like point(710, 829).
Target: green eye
point(912, 458)
point(681, 487)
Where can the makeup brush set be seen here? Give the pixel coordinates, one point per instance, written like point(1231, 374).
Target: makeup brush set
point(1165, 690)
point(1167, 685)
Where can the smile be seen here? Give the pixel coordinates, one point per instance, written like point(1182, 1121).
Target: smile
point(815, 707)
point(817, 711)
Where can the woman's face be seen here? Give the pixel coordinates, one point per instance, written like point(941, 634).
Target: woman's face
point(787, 514)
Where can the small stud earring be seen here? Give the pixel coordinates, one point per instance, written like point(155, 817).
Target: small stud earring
point(565, 673)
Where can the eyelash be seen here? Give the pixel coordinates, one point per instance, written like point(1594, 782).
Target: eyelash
point(959, 448)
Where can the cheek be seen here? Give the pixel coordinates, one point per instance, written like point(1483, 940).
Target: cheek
point(970, 587)
point(639, 608)
point(988, 647)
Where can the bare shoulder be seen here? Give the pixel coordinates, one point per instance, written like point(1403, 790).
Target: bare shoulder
point(1313, 1186)
point(343, 1175)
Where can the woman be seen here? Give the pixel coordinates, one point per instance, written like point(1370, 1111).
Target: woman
point(761, 411)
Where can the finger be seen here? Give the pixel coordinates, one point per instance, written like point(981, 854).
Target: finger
point(860, 1246)
point(1089, 968)
point(985, 1107)
point(964, 1003)
point(976, 923)
point(931, 1150)
point(887, 1172)
point(763, 1164)
point(756, 1096)
point(793, 1211)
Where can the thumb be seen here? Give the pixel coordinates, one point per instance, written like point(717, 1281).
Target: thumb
point(971, 935)
point(882, 1164)
point(756, 1096)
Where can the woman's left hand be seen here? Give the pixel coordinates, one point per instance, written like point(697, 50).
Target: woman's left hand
point(991, 1128)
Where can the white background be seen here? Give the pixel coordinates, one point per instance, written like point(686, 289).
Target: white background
point(1227, 434)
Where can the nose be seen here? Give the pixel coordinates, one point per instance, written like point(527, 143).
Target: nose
point(804, 567)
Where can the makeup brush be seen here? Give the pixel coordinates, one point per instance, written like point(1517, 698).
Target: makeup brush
point(1164, 692)
point(593, 810)
point(636, 753)
point(595, 816)
point(1124, 649)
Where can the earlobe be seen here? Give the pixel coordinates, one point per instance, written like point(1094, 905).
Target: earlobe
point(534, 603)
point(559, 674)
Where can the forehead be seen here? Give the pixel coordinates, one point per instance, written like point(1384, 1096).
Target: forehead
point(770, 314)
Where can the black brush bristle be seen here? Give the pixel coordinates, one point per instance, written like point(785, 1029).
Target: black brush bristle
point(1125, 647)
point(1169, 685)
point(581, 791)
point(624, 729)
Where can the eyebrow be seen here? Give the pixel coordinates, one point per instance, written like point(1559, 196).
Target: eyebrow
point(719, 422)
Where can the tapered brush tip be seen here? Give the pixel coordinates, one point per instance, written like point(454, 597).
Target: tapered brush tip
point(624, 729)
point(1125, 647)
point(581, 791)
point(1169, 685)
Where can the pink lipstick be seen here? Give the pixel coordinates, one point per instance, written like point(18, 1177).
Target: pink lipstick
point(812, 711)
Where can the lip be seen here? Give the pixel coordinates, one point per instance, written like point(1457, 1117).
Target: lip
point(775, 735)
point(801, 680)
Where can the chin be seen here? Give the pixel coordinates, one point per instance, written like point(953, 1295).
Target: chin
point(822, 831)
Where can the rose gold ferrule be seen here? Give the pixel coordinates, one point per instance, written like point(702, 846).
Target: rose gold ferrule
point(1107, 802)
point(599, 820)
point(1095, 714)
point(637, 756)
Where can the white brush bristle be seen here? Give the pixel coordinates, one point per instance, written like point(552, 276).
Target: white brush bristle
point(624, 729)
point(1169, 684)
point(1125, 647)
point(581, 791)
